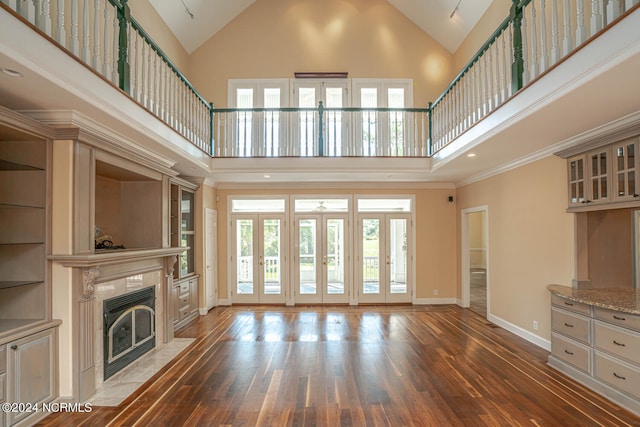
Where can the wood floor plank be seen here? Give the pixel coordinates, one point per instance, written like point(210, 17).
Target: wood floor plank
point(347, 366)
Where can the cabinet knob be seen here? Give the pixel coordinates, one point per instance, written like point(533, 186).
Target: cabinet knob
point(14, 347)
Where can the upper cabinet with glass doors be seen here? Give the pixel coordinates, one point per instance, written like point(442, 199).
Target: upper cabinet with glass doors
point(182, 227)
point(604, 176)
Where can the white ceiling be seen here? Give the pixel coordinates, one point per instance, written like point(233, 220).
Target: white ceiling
point(210, 16)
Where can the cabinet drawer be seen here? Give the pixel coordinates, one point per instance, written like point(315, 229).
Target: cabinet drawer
point(3, 358)
point(184, 312)
point(571, 324)
point(578, 307)
point(626, 320)
point(618, 341)
point(184, 288)
point(619, 374)
point(571, 352)
point(185, 301)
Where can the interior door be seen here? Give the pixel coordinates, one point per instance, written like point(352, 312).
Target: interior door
point(211, 259)
point(384, 258)
point(259, 258)
point(321, 258)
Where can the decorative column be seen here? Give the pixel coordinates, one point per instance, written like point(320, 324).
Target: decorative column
point(86, 339)
point(169, 263)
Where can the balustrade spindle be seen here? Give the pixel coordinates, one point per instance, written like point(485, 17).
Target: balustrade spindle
point(526, 78)
point(115, 72)
point(95, 58)
point(135, 90)
point(28, 10)
point(596, 16)
point(106, 63)
point(45, 18)
point(13, 4)
point(533, 62)
point(148, 87)
point(555, 39)
point(61, 34)
point(614, 10)
point(155, 84)
point(86, 49)
point(167, 77)
point(581, 31)
point(503, 83)
point(38, 13)
point(567, 40)
point(74, 41)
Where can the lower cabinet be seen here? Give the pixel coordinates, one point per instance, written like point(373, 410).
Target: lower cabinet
point(185, 301)
point(599, 348)
point(28, 375)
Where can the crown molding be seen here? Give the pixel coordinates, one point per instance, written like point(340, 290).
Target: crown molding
point(71, 124)
point(335, 185)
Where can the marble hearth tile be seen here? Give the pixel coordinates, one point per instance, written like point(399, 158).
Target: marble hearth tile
point(120, 386)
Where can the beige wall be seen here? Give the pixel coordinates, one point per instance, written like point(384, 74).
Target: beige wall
point(490, 21)
point(435, 231)
point(530, 239)
point(143, 12)
point(366, 38)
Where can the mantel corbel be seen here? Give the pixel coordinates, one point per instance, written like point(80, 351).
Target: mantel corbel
point(89, 276)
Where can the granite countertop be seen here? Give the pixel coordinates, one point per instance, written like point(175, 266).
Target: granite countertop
point(620, 299)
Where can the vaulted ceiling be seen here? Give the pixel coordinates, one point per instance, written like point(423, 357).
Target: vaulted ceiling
point(195, 21)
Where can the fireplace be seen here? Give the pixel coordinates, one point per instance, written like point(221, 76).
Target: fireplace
point(129, 328)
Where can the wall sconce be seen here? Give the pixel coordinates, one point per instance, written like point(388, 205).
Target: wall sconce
point(450, 200)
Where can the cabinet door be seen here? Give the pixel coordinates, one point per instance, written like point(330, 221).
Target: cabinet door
point(625, 170)
point(577, 181)
point(193, 293)
point(31, 371)
point(598, 172)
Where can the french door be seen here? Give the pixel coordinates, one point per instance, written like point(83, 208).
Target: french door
point(384, 258)
point(321, 258)
point(258, 260)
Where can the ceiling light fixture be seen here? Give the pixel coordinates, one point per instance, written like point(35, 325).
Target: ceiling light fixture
point(186, 9)
point(11, 72)
point(455, 9)
point(471, 155)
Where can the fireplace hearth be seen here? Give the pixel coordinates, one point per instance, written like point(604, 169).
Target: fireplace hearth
point(129, 328)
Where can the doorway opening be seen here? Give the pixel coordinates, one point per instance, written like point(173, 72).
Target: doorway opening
point(475, 260)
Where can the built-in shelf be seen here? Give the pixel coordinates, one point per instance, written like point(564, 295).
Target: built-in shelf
point(16, 283)
point(11, 166)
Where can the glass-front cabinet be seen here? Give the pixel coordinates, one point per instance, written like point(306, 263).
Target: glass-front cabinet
point(607, 175)
point(625, 170)
point(183, 229)
point(589, 181)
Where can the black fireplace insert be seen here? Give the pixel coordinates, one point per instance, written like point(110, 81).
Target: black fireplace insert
point(129, 328)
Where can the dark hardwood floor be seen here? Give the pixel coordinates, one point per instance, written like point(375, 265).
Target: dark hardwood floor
point(343, 366)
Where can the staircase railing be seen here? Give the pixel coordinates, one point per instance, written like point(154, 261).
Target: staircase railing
point(535, 36)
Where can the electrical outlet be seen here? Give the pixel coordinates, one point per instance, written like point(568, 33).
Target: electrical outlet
point(535, 325)
point(435, 292)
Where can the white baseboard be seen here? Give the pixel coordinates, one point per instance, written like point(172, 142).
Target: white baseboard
point(434, 301)
point(522, 333)
point(225, 302)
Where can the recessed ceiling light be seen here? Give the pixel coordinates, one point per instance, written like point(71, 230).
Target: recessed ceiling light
point(11, 72)
point(267, 176)
point(471, 155)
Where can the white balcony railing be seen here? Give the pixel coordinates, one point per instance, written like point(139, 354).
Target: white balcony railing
point(535, 36)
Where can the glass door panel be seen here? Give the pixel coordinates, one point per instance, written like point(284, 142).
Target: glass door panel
point(244, 257)
point(307, 255)
point(398, 265)
point(272, 259)
point(334, 259)
point(370, 246)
